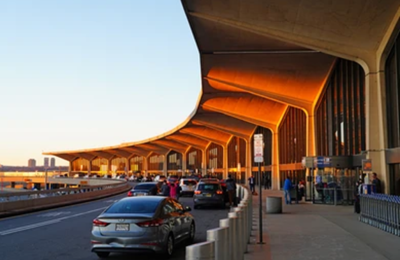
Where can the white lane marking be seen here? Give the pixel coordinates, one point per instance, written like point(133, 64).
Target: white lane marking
point(55, 214)
point(110, 201)
point(46, 223)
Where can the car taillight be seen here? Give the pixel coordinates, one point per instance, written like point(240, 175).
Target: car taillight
point(152, 223)
point(99, 223)
point(197, 192)
point(130, 194)
point(219, 192)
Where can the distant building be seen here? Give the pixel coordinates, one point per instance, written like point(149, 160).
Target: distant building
point(46, 162)
point(53, 162)
point(31, 163)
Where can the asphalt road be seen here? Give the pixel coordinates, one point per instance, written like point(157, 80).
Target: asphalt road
point(64, 233)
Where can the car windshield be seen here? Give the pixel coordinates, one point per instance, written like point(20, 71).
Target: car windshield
point(133, 206)
point(144, 186)
point(208, 186)
point(189, 182)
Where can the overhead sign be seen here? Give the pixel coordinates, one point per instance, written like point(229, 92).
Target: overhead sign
point(258, 148)
point(367, 165)
point(322, 162)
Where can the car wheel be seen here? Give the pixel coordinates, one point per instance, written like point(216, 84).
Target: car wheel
point(169, 250)
point(195, 206)
point(192, 233)
point(223, 205)
point(103, 254)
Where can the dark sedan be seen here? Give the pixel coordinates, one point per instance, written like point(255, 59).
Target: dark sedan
point(137, 224)
point(145, 189)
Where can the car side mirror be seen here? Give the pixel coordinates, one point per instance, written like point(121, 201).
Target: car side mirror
point(187, 209)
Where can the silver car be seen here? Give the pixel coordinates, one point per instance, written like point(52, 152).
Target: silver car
point(139, 224)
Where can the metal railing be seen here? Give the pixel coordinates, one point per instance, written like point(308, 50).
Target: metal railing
point(230, 240)
point(28, 195)
point(381, 211)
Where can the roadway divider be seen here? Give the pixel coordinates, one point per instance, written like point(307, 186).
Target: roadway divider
point(230, 240)
point(381, 211)
point(13, 203)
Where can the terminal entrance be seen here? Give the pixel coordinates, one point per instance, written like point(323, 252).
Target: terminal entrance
point(331, 179)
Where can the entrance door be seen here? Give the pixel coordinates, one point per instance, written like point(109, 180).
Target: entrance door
point(332, 185)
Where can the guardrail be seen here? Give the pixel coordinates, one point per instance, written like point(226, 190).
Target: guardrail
point(15, 203)
point(230, 240)
point(381, 211)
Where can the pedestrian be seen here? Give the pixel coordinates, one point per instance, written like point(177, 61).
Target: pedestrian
point(231, 187)
point(172, 190)
point(178, 190)
point(252, 184)
point(165, 189)
point(287, 186)
point(377, 183)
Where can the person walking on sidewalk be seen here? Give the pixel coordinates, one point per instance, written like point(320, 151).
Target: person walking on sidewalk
point(252, 184)
point(287, 186)
point(231, 187)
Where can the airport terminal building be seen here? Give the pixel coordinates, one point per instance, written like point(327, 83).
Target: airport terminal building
point(320, 80)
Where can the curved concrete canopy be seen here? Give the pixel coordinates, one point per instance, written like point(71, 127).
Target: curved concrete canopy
point(257, 58)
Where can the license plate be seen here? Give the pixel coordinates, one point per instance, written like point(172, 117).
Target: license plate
point(122, 227)
point(208, 195)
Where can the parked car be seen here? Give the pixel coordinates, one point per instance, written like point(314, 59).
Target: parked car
point(208, 193)
point(145, 189)
point(160, 178)
point(223, 185)
point(172, 179)
point(188, 186)
point(151, 223)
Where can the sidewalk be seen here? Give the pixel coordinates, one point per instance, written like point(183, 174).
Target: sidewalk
point(308, 231)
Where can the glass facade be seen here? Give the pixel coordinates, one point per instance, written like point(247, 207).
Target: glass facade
point(136, 163)
point(118, 164)
point(156, 162)
point(215, 156)
point(80, 165)
point(340, 112)
point(392, 74)
point(236, 152)
point(100, 165)
point(194, 158)
point(174, 161)
point(292, 145)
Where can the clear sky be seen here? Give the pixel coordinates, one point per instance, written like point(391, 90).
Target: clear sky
point(80, 74)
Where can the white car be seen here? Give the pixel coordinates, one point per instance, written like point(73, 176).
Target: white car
point(188, 186)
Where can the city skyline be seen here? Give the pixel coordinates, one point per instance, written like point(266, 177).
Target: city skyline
point(72, 74)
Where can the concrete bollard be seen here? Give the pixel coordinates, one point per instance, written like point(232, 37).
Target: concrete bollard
point(274, 205)
point(203, 251)
point(220, 237)
point(235, 237)
point(239, 215)
point(228, 223)
point(245, 207)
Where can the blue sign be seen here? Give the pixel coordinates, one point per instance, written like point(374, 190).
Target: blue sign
point(322, 162)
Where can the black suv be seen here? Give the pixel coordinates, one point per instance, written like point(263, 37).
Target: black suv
point(208, 193)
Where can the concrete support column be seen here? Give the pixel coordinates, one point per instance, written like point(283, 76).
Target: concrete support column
point(375, 125)
point(126, 166)
point(70, 167)
point(89, 170)
point(184, 163)
point(109, 166)
point(165, 164)
point(225, 161)
point(249, 159)
point(275, 162)
point(311, 135)
point(145, 165)
point(204, 162)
